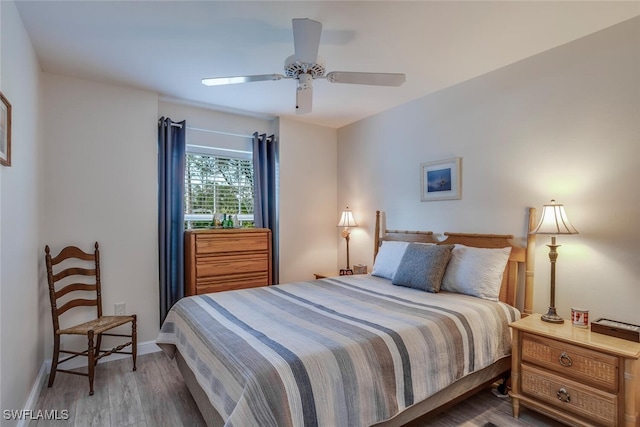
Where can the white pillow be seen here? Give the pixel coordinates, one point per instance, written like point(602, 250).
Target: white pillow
point(476, 271)
point(388, 258)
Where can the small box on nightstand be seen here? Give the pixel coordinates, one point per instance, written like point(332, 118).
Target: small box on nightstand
point(359, 269)
point(626, 331)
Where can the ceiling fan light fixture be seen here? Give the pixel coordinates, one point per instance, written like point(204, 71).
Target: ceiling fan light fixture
point(293, 68)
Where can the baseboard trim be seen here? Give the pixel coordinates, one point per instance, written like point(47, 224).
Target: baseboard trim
point(45, 369)
point(32, 399)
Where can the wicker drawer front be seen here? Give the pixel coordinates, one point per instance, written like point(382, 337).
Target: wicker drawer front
point(230, 265)
point(584, 365)
point(231, 242)
point(563, 393)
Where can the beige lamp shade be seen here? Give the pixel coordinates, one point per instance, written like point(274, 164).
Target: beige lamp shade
point(554, 220)
point(346, 219)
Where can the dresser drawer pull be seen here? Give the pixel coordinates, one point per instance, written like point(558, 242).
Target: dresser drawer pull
point(565, 360)
point(563, 395)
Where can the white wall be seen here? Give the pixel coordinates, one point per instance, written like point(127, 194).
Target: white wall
point(308, 210)
point(101, 185)
point(21, 335)
point(562, 124)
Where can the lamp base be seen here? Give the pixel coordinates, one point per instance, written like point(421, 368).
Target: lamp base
point(552, 316)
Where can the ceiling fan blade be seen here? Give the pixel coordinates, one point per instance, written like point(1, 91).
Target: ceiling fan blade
point(377, 79)
point(304, 94)
point(306, 39)
point(215, 81)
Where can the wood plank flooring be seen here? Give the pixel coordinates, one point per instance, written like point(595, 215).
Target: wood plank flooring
point(156, 396)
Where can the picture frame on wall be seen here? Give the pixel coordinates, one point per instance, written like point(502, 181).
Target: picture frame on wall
point(5, 131)
point(441, 180)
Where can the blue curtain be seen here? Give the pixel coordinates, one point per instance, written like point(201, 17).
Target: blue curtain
point(171, 158)
point(265, 167)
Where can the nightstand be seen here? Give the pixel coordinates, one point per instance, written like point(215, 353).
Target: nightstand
point(326, 274)
point(574, 375)
point(329, 274)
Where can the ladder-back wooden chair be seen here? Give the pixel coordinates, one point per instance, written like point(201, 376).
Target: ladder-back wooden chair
point(76, 283)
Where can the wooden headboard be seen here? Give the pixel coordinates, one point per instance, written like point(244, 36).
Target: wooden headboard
point(520, 256)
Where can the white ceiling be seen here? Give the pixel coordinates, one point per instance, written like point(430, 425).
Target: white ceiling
point(169, 46)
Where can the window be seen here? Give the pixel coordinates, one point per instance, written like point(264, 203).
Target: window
point(217, 182)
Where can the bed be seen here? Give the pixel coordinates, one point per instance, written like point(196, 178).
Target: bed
point(354, 350)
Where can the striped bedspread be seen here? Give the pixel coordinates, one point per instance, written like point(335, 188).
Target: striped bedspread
point(344, 351)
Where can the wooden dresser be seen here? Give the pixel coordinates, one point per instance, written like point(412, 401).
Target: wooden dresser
point(225, 259)
point(574, 375)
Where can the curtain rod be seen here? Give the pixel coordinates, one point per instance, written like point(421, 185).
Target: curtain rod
point(213, 131)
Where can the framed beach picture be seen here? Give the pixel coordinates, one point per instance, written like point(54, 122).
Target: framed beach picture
point(441, 180)
point(5, 131)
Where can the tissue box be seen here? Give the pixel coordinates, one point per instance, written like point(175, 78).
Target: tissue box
point(359, 269)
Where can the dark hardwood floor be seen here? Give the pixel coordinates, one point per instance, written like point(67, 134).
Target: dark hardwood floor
point(155, 395)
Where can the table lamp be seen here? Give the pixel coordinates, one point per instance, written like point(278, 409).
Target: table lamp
point(553, 221)
point(346, 221)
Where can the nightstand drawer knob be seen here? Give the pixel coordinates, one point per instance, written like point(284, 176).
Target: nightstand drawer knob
point(563, 395)
point(565, 360)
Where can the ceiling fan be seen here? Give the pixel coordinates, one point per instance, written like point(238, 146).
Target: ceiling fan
point(305, 66)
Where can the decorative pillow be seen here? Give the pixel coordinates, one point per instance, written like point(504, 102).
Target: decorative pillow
point(388, 259)
point(423, 266)
point(476, 271)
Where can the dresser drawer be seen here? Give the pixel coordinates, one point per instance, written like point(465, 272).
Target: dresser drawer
point(231, 282)
point(230, 265)
point(581, 364)
point(568, 395)
point(231, 242)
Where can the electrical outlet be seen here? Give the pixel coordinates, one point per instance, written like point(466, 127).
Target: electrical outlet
point(120, 309)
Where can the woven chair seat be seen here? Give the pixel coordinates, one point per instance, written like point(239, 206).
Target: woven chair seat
point(98, 325)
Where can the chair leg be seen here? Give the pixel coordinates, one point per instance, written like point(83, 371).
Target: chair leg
point(92, 366)
point(134, 341)
point(54, 360)
point(97, 350)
